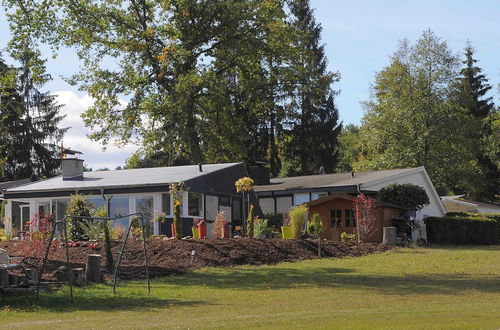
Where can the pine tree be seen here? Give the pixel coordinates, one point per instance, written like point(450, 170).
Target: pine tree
point(30, 118)
point(315, 128)
point(471, 89)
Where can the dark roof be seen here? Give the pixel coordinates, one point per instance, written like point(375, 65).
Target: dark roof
point(123, 178)
point(327, 180)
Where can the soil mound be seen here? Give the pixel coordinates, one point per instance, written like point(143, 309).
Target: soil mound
point(173, 256)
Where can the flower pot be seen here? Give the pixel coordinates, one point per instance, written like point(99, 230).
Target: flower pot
point(286, 232)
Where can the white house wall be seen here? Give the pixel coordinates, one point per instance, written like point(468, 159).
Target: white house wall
point(419, 178)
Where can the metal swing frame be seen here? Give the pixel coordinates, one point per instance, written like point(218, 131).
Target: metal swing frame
point(64, 222)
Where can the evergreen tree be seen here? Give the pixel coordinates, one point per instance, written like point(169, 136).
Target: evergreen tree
point(314, 118)
point(471, 89)
point(29, 123)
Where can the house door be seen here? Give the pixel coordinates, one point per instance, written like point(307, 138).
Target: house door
point(25, 216)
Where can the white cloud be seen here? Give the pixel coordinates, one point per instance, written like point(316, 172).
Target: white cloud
point(76, 137)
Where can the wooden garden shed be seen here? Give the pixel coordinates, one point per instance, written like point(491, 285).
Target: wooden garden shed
point(338, 215)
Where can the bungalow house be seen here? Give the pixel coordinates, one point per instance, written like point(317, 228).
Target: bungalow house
point(210, 188)
point(338, 214)
point(278, 195)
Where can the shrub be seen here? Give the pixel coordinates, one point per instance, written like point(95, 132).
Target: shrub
point(3, 235)
point(275, 220)
point(298, 216)
point(407, 195)
point(37, 239)
point(365, 217)
point(262, 228)
point(250, 222)
point(92, 229)
point(315, 227)
point(177, 219)
point(79, 205)
point(348, 238)
point(118, 232)
point(461, 230)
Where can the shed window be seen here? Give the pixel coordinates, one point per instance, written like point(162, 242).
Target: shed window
point(350, 218)
point(194, 204)
point(165, 203)
point(236, 208)
point(336, 218)
point(267, 205)
point(283, 204)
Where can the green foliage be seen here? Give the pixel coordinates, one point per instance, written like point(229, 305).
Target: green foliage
point(92, 229)
point(462, 230)
point(407, 195)
point(250, 222)
point(79, 205)
point(262, 228)
point(315, 227)
point(177, 219)
point(3, 235)
point(348, 238)
point(275, 220)
point(349, 148)
point(298, 217)
point(413, 118)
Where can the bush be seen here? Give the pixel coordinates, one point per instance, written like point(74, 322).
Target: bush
point(315, 227)
point(461, 230)
point(347, 238)
point(262, 228)
point(275, 220)
point(79, 205)
point(407, 195)
point(298, 216)
point(3, 235)
point(492, 216)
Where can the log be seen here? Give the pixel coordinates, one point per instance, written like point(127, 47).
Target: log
point(390, 236)
point(4, 278)
point(78, 276)
point(93, 268)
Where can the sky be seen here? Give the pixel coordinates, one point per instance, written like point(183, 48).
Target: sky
point(359, 37)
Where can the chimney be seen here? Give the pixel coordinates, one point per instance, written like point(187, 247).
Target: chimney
point(200, 167)
point(72, 169)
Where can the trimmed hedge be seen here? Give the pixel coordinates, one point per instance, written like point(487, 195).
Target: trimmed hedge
point(493, 216)
point(462, 230)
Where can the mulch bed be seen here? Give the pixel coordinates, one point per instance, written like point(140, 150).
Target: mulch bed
point(167, 257)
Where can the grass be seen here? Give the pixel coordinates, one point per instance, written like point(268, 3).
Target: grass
point(440, 287)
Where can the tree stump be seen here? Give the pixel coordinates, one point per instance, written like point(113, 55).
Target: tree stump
point(78, 276)
point(390, 236)
point(32, 275)
point(4, 278)
point(93, 268)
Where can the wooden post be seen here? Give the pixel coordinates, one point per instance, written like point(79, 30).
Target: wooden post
point(93, 268)
point(390, 236)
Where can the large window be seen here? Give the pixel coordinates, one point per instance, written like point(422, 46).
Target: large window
point(118, 206)
point(236, 208)
point(283, 204)
point(43, 208)
point(165, 203)
point(336, 218)
point(300, 199)
point(267, 205)
point(350, 218)
point(98, 203)
point(318, 195)
point(211, 207)
point(194, 204)
point(61, 206)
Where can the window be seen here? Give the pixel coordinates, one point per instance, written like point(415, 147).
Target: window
point(336, 218)
point(61, 206)
point(283, 204)
point(211, 207)
point(350, 218)
point(43, 208)
point(318, 195)
point(119, 205)
point(165, 203)
point(236, 208)
point(98, 203)
point(267, 205)
point(225, 200)
point(300, 198)
point(194, 204)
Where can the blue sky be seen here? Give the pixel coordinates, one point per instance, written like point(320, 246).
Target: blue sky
point(359, 36)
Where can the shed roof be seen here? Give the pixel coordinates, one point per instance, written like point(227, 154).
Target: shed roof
point(327, 180)
point(123, 178)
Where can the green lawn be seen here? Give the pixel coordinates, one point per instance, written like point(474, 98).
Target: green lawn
point(420, 288)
